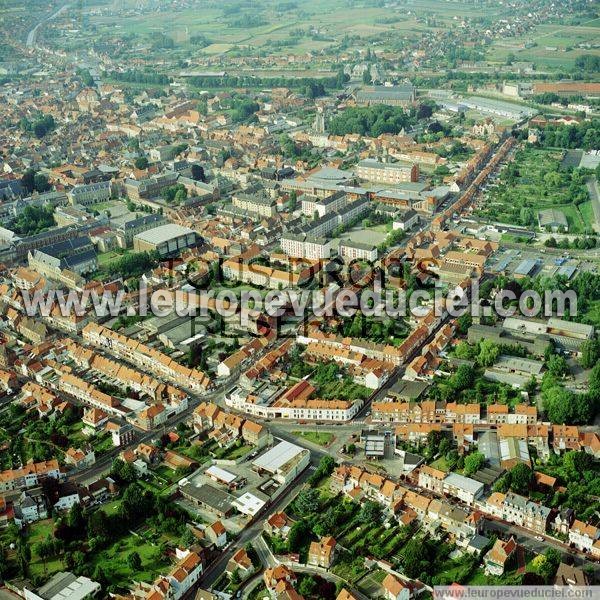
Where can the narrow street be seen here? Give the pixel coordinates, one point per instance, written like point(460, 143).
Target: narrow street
point(216, 569)
point(594, 191)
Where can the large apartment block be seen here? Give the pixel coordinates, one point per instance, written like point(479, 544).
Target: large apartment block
point(260, 205)
point(92, 193)
point(150, 187)
point(388, 173)
point(128, 230)
point(300, 245)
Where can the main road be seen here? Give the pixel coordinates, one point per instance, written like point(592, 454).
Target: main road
point(216, 568)
point(32, 35)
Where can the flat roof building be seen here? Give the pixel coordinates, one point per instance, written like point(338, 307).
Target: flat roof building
point(249, 504)
point(553, 219)
point(284, 462)
point(65, 586)
point(209, 497)
point(397, 95)
point(165, 239)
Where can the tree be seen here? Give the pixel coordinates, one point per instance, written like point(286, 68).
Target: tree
point(75, 518)
point(175, 193)
point(307, 586)
point(444, 446)
point(188, 538)
point(463, 378)
point(308, 502)
point(198, 173)
point(99, 525)
point(34, 219)
point(545, 565)
point(141, 162)
point(557, 365)
point(44, 550)
point(503, 484)
point(590, 353)
point(415, 558)
point(134, 561)
point(464, 322)
point(23, 556)
point(474, 462)
point(293, 200)
point(298, 535)
point(180, 196)
point(122, 471)
point(41, 183)
point(325, 468)
point(43, 125)
point(28, 180)
point(521, 477)
point(465, 351)
point(370, 512)
point(564, 407)
point(424, 111)
point(371, 121)
point(488, 353)
point(136, 503)
point(576, 463)
point(100, 576)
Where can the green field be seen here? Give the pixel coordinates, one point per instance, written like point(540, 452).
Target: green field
point(106, 257)
point(316, 437)
point(534, 182)
point(586, 210)
point(268, 23)
point(38, 532)
point(548, 45)
point(370, 584)
point(113, 561)
point(441, 463)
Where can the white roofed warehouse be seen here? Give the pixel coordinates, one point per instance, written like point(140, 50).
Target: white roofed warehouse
point(167, 239)
point(284, 462)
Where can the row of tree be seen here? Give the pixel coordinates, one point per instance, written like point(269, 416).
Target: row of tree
point(370, 121)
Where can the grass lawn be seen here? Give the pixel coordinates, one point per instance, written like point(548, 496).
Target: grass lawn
point(107, 257)
point(350, 568)
point(511, 239)
point(316, 437)
point(75, 435)
point(110, 508)
point(234, 452)
point(478, 577)
point(101, 206)
point(586, 211)
point(166, 474)
point(370, 585)
point(343, 390)
point(534, 181)
point(38, 532)
point(440, 463)
point(113, 560)
point(102, 444)
point(156, 485)
point(592, 316)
